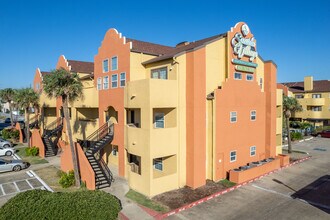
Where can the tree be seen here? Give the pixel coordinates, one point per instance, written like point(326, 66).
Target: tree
point(8, 95)
point(290, 106)
point(66, 85)
point(25, 99)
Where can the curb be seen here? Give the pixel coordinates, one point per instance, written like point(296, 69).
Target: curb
point(185, 207)
point(307, 139)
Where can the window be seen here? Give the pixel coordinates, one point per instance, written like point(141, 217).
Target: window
point(260, 82)
point(233, 156)
point(158, 164)
point(114, 81)
point(252, 151)
point(249, 77)
point(106, 65)
point(159, 120)
point(316, 108)
point(114, 63)
point(160, 73)
point(99, 83)
point(233, 117)
point(253, 115)
point(106, 82)
point(37, 86)
point(238, 76)
point(114, 151)
point(122, 79)
point(299, 96)
point(316, 96)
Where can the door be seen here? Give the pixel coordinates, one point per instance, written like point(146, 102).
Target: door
point(4, 166)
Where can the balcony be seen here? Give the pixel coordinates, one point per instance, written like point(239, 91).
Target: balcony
point(279, 97)
point(89, 98)
point(313, 101)
point(279, 125)
point(163, 141)
point(151, 92)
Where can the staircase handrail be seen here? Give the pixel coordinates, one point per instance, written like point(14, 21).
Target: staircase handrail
point(98, 135)
point(105, 169)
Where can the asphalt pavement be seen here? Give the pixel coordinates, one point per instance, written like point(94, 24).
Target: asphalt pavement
point(301, 191)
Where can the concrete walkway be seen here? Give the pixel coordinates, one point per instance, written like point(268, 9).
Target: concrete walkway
point(119, 188)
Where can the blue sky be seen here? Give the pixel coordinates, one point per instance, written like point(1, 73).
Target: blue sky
point(34, 33)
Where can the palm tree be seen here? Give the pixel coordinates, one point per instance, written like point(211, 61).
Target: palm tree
point(290, 106)
point(27, 98)
point(8, 95)
point(66, 85)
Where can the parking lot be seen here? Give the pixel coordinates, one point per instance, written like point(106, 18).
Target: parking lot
point(299, 192)
point(12, 183)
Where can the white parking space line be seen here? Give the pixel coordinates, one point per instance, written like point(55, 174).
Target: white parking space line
point(29, 184)
point(3, 192)
point(16, 187)
point(271, 191)
point(41, 181)
point(287, 196)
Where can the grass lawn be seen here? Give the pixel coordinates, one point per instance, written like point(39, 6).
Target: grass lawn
point(143, 200)
point(20, 151)
point(226, 183)
point(51, 177)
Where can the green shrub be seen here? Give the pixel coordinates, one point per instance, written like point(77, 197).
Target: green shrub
point(32, 151)
point(67, 179)
point(296, 136)
point(10, 133)
point(39, 204)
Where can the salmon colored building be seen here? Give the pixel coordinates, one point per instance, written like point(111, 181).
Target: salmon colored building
point(170, 117)
point(314, 97)
point(188, 113)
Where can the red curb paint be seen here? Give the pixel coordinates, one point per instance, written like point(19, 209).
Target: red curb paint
point(175, 211)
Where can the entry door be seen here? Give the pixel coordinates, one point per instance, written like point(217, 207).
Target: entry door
point(220, 174)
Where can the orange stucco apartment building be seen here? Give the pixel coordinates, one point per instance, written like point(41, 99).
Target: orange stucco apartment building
point(183, 114)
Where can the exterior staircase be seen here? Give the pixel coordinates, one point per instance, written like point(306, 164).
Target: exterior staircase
point(50, 137)
point(34, 122)
point(92, 147)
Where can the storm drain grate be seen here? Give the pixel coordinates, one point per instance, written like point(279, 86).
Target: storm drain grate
point(320, 149)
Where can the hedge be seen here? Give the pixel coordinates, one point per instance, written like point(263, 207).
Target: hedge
point(41, 204)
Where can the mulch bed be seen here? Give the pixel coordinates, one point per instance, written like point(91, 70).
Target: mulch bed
point(177, 198)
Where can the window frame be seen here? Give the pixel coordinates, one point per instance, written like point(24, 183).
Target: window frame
point(116, 81)
point(253, 152)
point(107, 59)
point(316, 96)
point(247, 75)
point(157, 114)
point(230, 118)
point(104, 82)
point(230, 156)
point(116, 63)
point(158, 161)
point(240, 74)
point(255, 115)
point(158, 70)
point(99, 83)
point(120, 80)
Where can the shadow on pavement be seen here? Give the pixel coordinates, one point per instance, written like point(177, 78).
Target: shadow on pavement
point(317, 193)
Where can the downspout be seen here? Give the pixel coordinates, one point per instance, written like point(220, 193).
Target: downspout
point(178, 119)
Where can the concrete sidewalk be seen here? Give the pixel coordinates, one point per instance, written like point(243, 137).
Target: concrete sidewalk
point(119, 188)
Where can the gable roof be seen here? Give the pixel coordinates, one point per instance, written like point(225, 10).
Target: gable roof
point(81, 66)
point(318, 86)
point(148, 48)
point(184, 48)
point(43, 73)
